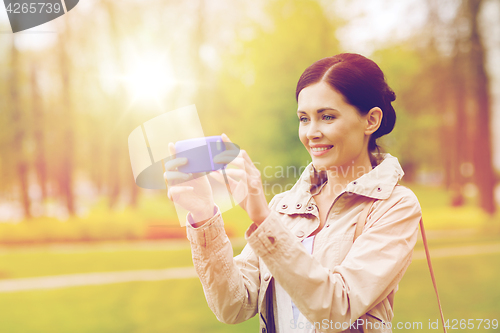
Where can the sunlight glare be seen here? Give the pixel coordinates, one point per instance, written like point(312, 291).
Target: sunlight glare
point(149, 78)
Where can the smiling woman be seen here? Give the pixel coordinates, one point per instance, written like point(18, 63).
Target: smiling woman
point(332, 130)
point(307, 266)
point(356, 84)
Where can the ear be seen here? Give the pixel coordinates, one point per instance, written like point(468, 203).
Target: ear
point(373, 120)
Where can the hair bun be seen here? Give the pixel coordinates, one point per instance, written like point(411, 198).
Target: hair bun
point(390, 95)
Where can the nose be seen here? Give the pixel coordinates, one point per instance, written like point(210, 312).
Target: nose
point(314, 131)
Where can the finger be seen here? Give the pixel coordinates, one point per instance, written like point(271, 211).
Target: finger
point(244, 154)
point(239, 162)
point(197, 175)
point(231, 174)
point(175, 163)
point(234, 185)
point(176, 176)
point(230, 146)
point(240, 193)
point(218, 176)
point(229, 158)
point(249, 166)
point(171, 148)
point(236, 174)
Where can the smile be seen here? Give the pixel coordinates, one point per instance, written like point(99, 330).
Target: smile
point(317, 151)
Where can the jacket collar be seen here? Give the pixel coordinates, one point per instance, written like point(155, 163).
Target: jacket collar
point(378, 184)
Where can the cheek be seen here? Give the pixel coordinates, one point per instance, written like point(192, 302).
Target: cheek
point(336, 132)
point(302, 135)
point(355, 139)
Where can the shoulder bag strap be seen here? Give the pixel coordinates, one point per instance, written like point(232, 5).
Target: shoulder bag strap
point(359, 229)
point(428, 256)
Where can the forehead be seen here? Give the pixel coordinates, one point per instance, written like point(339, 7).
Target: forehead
point(320, 95)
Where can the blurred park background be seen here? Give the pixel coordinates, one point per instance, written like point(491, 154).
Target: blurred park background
point(73, 89)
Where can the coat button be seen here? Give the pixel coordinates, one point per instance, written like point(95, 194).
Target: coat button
point(298, 206)
point(267, 276)
point(379, 189)
point(300, 233)
point(264, 330)
point(310, 208)
point(284, 206)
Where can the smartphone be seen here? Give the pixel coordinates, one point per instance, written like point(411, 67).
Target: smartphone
point(200, 153)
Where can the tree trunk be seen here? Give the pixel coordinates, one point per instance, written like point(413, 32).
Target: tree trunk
point(38, 132)
point(483, 165)
point(459, 138)
point(114, 141)
point(68, 145)
point(19, 136)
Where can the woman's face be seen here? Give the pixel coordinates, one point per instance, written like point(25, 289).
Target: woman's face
point(332, 130)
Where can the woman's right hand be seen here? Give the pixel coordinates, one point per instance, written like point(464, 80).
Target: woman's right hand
point(248, 191)
point(192, 193)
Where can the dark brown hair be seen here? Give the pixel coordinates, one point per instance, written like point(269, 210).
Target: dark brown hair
point(361, 82)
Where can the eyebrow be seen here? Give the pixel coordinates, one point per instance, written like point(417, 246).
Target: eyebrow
point(319, 110)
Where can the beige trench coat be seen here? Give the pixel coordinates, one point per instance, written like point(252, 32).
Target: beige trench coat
point(340, 282)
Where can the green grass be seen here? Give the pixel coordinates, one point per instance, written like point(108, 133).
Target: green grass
point(16, 265)
point(465, 238)
point(468, 286)
point(19, 263)
point(44, 261)
point(166, 306)
point(438, 214)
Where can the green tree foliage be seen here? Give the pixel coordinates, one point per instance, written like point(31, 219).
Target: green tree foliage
point(258, 81)
point(418, 114)
point(247, 91)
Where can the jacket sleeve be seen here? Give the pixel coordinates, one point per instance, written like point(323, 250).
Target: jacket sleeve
point(231, 285)
point(370, 271)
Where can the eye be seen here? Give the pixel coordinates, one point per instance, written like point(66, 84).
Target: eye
point(303, 119)
point(328, 117)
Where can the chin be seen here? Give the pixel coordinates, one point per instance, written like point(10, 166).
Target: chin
point(320, 166)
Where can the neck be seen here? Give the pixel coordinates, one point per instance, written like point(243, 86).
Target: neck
point(340, 176)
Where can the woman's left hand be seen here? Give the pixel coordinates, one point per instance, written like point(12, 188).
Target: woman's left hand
point(248, 191)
